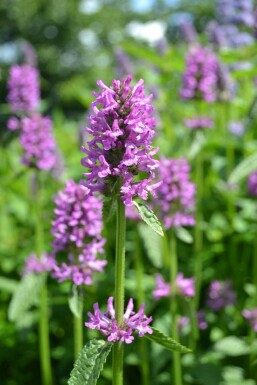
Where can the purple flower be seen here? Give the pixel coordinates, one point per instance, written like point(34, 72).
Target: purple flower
point(184, 287)
point(77, 230)
point(122, 125)
point(237, 128)
point(23, 86)
point(188, 32)
point(38, 142)
point(252, 183)
point(108, 326)
point(36, 265)
point(13, 123)
point(220, 295)
point(176, 194)
point(200, 76)
point(251, 316)
point(184, 321)
point(199, 122)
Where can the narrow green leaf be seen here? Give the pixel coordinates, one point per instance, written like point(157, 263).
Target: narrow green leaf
point(246, 167)
point(184, 235)
point(109, 208)
point(197, 144)
point(149, 218)
point(76, 301)
point(152, 244)
point(25, 295)
point(90, 362)
point(166, 341)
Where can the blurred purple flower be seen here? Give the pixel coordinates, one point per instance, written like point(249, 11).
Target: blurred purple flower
point(23, 89)
point(252, 183)
point(38, 142)
point(251, 316)
point(176, 194)
point(124, 64)
point(236, 128)
point(122, 131)
point(35, 265)
point(13, 123)
point(200, 76)
point(220, 295)
point(184, 287)
point(108, 326)
point(202, 324)
point(199, 122)
point(77, 230)
point(188, 32)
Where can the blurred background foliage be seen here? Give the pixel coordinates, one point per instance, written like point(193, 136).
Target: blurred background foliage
point(76, 43)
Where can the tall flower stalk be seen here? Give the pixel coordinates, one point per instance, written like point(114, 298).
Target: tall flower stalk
point(44, 343)
point(120, 164)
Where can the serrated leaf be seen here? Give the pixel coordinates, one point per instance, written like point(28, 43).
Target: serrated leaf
point(149, 217)
point(152, 244)
point(184, 235)
point(246, 167)
point(25, 295)
point(109, 208)
point(76, 301)
point(166, 341)
point(90, 362)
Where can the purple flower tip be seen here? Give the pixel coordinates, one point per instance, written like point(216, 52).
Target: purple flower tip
point(220, 295)
point(184, 287)
point(121, 125)
point(108, 326)
point(251, 316)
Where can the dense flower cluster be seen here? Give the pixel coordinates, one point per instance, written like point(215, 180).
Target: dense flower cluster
point(220, 295)
point(108, 326)
point(232, 15)
point(200, 76)
point(199, 122)
point(252, 183)
point(176, 194)
point(77, 230)
point(251, 316)
point(184, 287)
point(35, 265)
point(24, 91)
point(122, 130)
point(38, 142)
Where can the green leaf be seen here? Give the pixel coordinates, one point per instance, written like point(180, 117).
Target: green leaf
point(184, 235)
point(246, 167)
point(76, 301)
point(197, 145)
point(231, 346)
point(152, 244)
point(109, 208)
point(7, 284)
point(25, 295)
point(90, 362)
point(149, 218)
point(166, 341)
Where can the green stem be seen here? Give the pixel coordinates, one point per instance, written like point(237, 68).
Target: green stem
point(44, 343)
point(173, 308)
point(198, 230)
point(78, 335)
point(143, 343)
point(117, 362)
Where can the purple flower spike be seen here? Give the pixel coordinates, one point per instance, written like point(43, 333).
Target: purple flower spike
point(220, 295)
point(77, 230)
point(108, 326)
point(199, 122)
point(24, 92)
point(36, 265)
point(121, 125)
point(252, 183)
point(251, 316)
point(38, 142)
point(200, 77)
point(184, 287)
point(176, 194)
